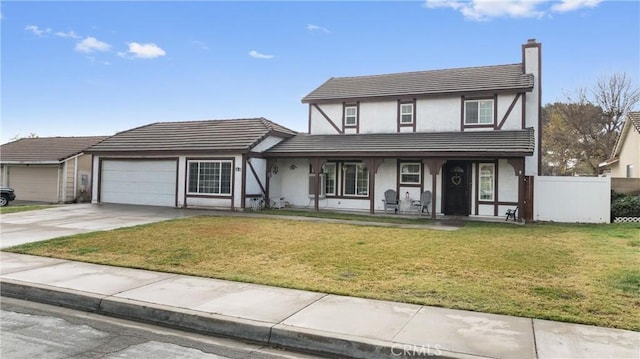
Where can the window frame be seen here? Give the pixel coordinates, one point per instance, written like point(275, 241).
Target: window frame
point(330, 177)
point(411, 114)
point(220, 176)
point(402, 181)
point(478, 101)
point(365, 170)
point(492, 182)
point(354, 116)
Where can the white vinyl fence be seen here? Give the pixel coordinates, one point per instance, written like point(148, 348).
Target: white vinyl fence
point(572, 199)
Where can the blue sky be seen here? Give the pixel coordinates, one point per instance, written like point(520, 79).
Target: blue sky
point(96, 68)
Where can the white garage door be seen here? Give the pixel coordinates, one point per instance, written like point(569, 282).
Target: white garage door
point(144, 182)
point(34, 183)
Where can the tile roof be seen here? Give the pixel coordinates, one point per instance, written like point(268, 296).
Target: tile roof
point(45, 149)
point(472, 143)
point(210, 135)
point(634, 117)
point(460, 80)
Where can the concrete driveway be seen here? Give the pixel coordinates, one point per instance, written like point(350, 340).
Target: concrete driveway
point(39, 225)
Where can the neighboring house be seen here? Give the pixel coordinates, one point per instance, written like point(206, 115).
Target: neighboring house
point(48, 169)
point(469, 135)
point(216, 163)
point(625, 159)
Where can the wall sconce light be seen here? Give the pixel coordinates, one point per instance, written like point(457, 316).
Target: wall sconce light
point(293, 167)
point(238, 169)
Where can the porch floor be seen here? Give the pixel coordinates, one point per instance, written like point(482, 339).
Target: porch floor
point(441, 219)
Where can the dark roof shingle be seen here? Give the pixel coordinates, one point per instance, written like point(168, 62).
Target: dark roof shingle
point(634, 117)
point(460, 80)
point(46, 149)
point(515, 143)
point(210, 135)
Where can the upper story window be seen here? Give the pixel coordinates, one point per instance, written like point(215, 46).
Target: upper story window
point(209, 177)
point(350, 115)
point(478, 112)
point(410, 173)
point(406, 113)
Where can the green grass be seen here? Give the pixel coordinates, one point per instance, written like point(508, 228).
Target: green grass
point(576, 273)
point(22, 208)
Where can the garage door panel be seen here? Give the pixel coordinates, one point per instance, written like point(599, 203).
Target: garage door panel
point(34, 183)
point(141, 182)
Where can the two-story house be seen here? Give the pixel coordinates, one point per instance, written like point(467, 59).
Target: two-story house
point(469, 135)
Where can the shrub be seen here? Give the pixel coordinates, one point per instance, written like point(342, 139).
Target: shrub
point(625, 206)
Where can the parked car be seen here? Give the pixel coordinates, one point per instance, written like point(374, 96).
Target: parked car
point(6, 195)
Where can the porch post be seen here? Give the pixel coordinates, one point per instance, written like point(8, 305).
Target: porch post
point(434, 164)
point(267, 183)
point(372, 164)
point(518, 168)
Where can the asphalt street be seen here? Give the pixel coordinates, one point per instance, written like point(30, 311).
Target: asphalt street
point(34, 330)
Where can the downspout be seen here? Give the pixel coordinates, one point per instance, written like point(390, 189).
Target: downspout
point(75, 179)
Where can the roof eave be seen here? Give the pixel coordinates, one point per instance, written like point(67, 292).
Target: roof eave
point(394, 154)
point(307, 98)
point(29, 162)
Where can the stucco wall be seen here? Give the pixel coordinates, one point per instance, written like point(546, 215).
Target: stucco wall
point(629, 155)
point(435, 114)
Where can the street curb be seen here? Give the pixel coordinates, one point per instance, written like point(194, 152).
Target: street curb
point(254, 331)
point(272, 334)
point(69, 298)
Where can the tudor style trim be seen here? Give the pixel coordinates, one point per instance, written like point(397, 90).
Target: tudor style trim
point(399, 123)
point(506, 115)
point(326, 117)
point(345, 126)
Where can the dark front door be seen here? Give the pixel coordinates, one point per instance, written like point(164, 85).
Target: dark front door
point(457, 194)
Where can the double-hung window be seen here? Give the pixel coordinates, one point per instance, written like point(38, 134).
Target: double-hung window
point(211, 177)
point(351, 116)
point(356, 179)
point(487, 181)
point(478, 112)
point(410, 173)
point(329, 170)
point(406, 113)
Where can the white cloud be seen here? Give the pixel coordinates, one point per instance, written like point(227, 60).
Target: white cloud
point(571, 5)
point(312, 27)
point(70, 35)
point(482, 10)
point(257, 55)
point(37, 31)
point(91, 44)
point(143, 51)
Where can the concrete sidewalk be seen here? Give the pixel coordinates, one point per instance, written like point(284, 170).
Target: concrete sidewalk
point(301, 320)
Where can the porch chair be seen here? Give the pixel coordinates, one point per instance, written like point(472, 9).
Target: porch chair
point(390, 200)
point(511, 213)
point(423, 203)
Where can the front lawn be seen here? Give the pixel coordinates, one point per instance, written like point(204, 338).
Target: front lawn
point(577, 273)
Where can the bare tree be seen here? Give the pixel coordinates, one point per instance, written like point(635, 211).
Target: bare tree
point(581, 133)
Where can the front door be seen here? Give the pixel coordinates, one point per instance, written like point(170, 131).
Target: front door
point(457, 194)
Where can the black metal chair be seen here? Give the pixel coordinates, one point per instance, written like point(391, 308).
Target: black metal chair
point(511, 213)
